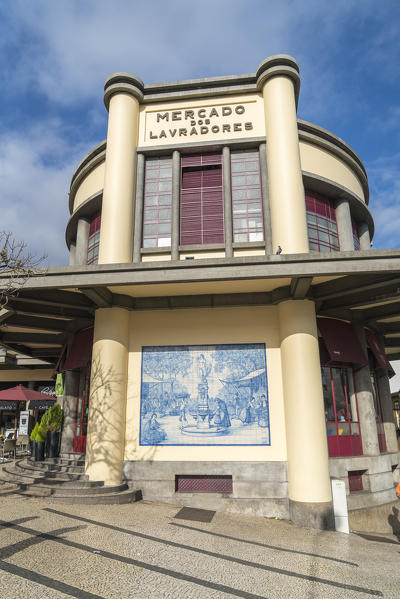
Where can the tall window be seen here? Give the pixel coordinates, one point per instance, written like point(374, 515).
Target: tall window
point(202, 204)
point(157, 203)
point(341, 411)
point(246, 196)
point(94, 240)
point(321, 224)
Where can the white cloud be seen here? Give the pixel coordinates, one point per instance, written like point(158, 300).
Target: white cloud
point(385, 190)
point(35, 172)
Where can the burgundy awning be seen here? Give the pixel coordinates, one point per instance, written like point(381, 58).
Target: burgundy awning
point(341, 341)
point(21, 393)
point(378, 352)
point(81, 349)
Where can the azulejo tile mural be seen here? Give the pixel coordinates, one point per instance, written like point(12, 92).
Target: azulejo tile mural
point(204, 395)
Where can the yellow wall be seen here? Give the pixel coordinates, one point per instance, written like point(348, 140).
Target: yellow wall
point(203, 326)
point(322, 162)
point(91, 184)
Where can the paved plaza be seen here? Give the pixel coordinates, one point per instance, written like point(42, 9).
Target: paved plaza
point(144, 550)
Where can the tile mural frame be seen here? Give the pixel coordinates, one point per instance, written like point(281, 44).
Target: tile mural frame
point(151, 432)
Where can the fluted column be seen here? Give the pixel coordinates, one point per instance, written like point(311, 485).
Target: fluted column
point(122, 95)
point(278, 80)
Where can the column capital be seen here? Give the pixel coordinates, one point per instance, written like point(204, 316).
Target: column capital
point(279, 64)
point(123, 83)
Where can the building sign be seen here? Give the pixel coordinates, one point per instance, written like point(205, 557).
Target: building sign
point(204, 395)
point(203, 122)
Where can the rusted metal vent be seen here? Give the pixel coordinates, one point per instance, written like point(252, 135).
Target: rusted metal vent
point(203, 483)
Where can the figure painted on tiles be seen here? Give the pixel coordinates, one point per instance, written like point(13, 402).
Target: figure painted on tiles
point(204, 395)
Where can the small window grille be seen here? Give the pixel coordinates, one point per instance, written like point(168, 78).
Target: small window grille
point(202, 483)
point(355, 480)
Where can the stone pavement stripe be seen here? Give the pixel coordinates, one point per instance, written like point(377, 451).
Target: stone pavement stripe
point(340, 585)
point(222, 536)
point(35, 577)
point(10, 550)
point(56, 585)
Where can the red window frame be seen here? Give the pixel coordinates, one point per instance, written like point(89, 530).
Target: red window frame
point(321, 224)
point(355, 480)
point(344, 436)
point(94, 240)
point(201, 201)
point(247, 210)
point(157, 202)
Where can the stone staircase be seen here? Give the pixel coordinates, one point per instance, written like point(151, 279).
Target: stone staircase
point(60, 480)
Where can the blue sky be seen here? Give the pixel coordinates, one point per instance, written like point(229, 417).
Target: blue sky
point(56, 54)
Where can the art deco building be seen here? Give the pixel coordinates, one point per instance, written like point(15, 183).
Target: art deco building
point(222, 280)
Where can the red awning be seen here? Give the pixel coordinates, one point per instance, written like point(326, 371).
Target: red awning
point(81, 349)
point(21, 393)
point(378, 352)
point(341, 341)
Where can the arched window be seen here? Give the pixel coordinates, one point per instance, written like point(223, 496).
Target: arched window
point(321, 224)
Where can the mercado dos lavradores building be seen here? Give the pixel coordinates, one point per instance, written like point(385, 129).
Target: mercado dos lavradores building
point(227, 326)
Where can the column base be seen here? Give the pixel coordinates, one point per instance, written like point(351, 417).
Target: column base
point(312, 515)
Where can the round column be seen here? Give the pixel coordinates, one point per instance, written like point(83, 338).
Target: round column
point(387, 411)
point(72, 254)
point(363, 234)
point(71, 390)
point(345, 231)
point(365, 400)
point(82, 238)
point(122, 95)
point(307, 448)
point(106, 423)
point(278, 79)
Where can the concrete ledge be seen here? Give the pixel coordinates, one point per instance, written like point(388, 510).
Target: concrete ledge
point(312, 515)
point(382, 519)
point(365, 499)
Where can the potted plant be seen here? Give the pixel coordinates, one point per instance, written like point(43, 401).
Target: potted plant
point(51, 421)
point(33, 440)
point(40, 438)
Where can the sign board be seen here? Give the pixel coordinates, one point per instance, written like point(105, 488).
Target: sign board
point(23, 423)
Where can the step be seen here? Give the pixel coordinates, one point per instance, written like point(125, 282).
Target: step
point(49, 467)
point(30, 469)
point(127, 496)
point(65, 461)
point(82, 484)
point(82, 491)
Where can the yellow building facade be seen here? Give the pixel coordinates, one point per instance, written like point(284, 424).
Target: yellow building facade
point(225, 248)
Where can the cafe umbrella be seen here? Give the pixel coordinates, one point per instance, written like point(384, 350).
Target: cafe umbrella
point(14, 397)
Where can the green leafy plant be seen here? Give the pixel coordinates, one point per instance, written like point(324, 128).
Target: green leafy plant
point(41, 433)
point(52, 418)
point(34, 431)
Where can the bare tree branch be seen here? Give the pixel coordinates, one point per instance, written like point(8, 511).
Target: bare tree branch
point(17, 264)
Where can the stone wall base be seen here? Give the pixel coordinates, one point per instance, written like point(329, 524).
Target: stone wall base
point(259, 488)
